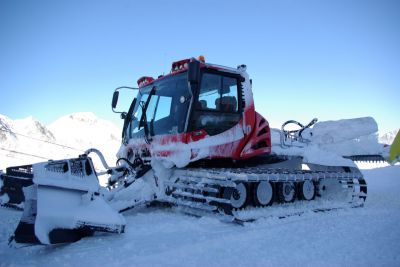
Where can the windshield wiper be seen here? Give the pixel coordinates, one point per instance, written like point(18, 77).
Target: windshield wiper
point(143, 118)
point(129, 117)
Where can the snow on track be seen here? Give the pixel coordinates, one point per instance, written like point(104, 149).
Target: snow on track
point(367, 236)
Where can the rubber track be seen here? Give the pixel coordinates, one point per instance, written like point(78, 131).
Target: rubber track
point(193, 197)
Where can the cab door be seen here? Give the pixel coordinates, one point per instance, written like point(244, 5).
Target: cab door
point(217, 112)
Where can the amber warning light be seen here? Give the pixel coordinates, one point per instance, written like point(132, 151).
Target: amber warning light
point(182, 65)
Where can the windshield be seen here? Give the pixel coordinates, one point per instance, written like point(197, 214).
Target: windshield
point(167, 109)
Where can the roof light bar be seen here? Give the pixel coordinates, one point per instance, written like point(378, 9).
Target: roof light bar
point(145, 80)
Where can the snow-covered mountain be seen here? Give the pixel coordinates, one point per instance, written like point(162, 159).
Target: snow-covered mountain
point(387, 138)
point(85, 130)
point(28, 126)
point(28, 140)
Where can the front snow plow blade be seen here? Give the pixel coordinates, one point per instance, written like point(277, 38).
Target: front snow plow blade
point(64, 204)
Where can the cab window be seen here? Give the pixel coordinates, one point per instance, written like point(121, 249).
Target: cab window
point(216, 108)
point(218, 93)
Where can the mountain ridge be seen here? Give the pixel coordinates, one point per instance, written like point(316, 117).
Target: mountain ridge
point(27, 141)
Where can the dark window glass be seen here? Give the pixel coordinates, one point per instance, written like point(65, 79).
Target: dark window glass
point(167, 109)
point(218, 93)
point(216, 109)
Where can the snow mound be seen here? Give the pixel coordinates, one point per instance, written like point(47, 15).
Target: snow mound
point(327, 132)
point(329, 141)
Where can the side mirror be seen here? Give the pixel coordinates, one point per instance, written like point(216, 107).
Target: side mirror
point(194, 72)
point(115, 99)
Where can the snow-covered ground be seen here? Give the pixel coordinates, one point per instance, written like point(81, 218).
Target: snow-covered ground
point(368, 236)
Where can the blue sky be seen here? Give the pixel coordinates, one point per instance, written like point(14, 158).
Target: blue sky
point(326, 59)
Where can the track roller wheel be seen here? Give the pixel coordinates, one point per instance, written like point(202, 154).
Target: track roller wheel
point(360, 189)
point(307, 190)
point(286, 192)
point(238, 196)
point(263, 193)
point(363, 188)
